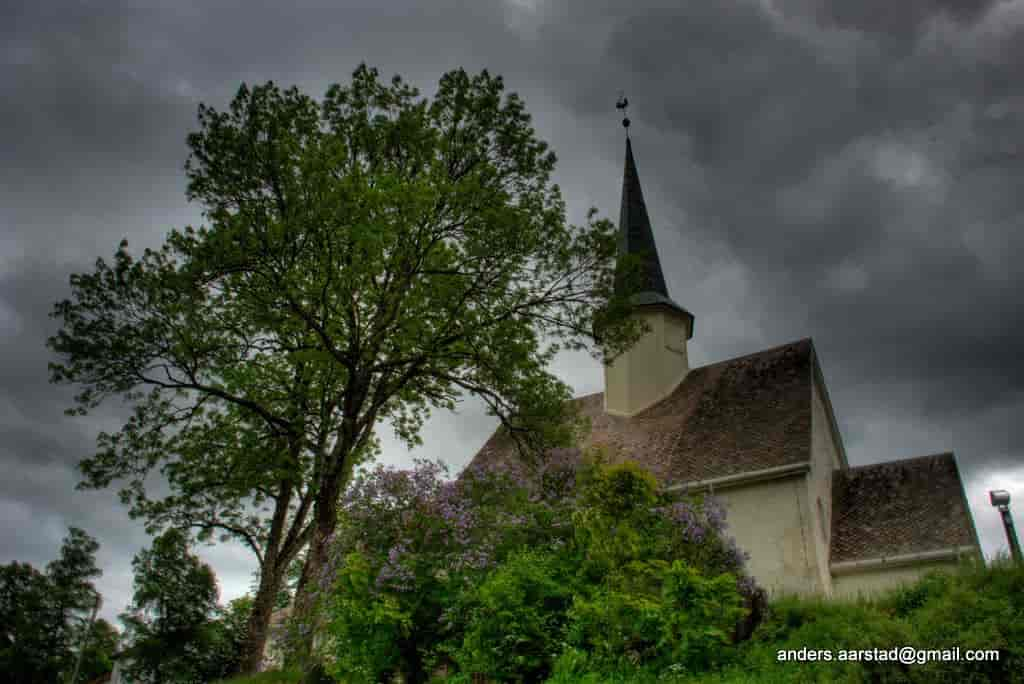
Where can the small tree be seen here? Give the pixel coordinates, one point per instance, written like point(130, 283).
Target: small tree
point(169, 622)
point(99, 648)
point(43, 615)
point(74, 593)
point(31, 650)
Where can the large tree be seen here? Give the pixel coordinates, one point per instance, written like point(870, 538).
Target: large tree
point(367, 259)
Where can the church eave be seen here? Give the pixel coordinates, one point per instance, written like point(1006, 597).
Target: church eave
point(653, 299)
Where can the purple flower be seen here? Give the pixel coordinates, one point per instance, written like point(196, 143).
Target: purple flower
point(714, 511)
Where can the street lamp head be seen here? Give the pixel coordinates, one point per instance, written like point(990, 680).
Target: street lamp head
point(1000, 498)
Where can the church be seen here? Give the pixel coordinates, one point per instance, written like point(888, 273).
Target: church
point(760, 434)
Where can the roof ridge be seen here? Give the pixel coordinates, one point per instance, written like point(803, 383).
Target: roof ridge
point(753, 354)
point(711, 366)
point(900, 461)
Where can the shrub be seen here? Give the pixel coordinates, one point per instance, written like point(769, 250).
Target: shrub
point(660, 615)
point(492, 575)
point(267, 677)
point(515, 619)
point(364, 625)
point(817, 624)
point(976, 608)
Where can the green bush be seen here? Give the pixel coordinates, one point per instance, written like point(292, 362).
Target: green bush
point(268, 677)
point(816, 624)
point(516, 619)
point(492, 576)
point(657, 615)
point(642, 597)
point(974, 607)
point(364, 625)
point(977, 608)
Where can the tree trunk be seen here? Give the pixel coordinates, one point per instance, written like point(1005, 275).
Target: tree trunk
point(295, 656)
point(279, 553)
point(326, 514)
point(339, 469)
point(256, 631)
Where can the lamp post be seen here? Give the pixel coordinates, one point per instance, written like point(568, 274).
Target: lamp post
point(1000, 498)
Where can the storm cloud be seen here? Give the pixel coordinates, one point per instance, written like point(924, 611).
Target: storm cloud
point(850, 172)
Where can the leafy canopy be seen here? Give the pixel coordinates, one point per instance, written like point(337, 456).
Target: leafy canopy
point(394, 252)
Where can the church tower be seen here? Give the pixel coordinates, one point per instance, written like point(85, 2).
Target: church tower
point(657, 363)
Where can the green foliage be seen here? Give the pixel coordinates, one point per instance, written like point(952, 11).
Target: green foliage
point(979, 608)
point(266, 677)
point(516, 618)
point(976, 607)
point(226, 637)
point(609, 581)
point(172, 635)
point(796, 624)
point(100, 646)
point(43, 616)
point(657, 615)
point(494, 576)
point(620, 490)
point(364, 625)
point(317, 675)
point(32, 650)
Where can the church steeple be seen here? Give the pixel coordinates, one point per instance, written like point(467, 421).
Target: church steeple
point(653, 367)
point(635, 234)
point(637, 238)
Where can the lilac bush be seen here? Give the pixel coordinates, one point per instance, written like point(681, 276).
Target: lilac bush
point(415, 554)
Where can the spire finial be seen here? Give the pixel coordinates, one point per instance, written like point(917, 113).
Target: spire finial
point(622, 104)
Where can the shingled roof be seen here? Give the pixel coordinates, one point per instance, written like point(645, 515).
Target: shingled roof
point(899, 507)
point(736, 416)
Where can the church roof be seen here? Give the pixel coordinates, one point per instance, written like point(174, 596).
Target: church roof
point(727, 418)
point(636, 237)
point(899, 507)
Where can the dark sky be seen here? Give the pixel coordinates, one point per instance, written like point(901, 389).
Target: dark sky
point(846, 171)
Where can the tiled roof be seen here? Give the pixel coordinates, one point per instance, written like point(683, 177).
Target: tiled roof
point(899, 507)
point(737, 416)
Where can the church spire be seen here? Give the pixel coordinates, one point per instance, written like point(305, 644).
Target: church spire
point(635, 234)
point(657, 362)
point(637, 238)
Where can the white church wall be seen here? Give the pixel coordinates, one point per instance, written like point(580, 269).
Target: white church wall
point(824, 460)
point(872, 582)
point(771, 521)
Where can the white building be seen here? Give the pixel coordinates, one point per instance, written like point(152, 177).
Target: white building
point(760, 432)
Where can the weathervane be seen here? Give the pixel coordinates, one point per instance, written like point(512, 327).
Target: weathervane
point(622, 104)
